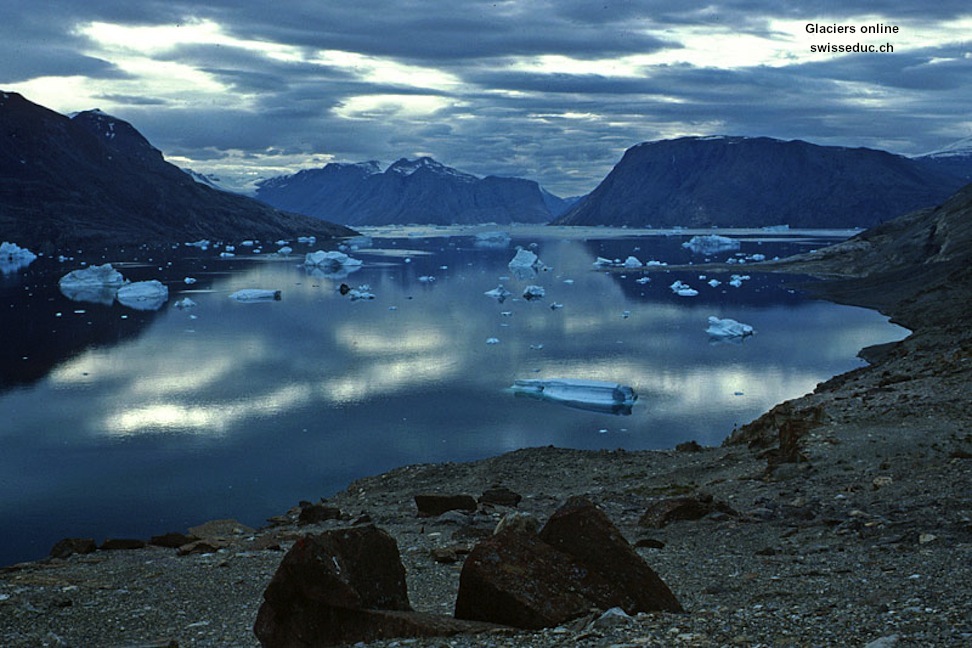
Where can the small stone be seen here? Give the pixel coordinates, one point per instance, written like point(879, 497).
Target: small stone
point(881, 481)
point(925, 538)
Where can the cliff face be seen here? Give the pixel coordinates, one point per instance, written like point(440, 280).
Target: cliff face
point(94, 178)
point(755, 182)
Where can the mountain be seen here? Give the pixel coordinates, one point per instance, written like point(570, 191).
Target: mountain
point(409, 191)
point(956, 158)
point(754, 182)
point(93, 178)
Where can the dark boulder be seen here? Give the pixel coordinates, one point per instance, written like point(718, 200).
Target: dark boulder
point(500, 496)
point(662, 512)
point(68, 546)
point(314, 513)
point(434, 504)
point(118, 544)
point(578, 562)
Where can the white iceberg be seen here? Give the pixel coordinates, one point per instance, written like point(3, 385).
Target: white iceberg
point(307, 240)
point(525, 264)
point(13, 257)
point(96, 284)
point(185, 303)
point(728, 328)
point(532, 292)
point(256, 295)
point(710, 244)
point(632, 262)
point(332, 261)
point(492, 340)
point(714, 282)
point(601, 262)
point(492, 240)
point(499, 293)
point(593, 395)
point(683, 289)
point(143, 295)
point(285, 250)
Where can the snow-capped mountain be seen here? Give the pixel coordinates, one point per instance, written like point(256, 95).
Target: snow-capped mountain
point(408, 191)
point(93, 178)
point(758, 181)
point(955, 158)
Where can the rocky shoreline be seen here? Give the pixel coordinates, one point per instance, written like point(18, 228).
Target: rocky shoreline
point(844, 517)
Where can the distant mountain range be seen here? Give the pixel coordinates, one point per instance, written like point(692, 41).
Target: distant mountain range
point(956, 159)
point(94, 178)
point(757, 181)
point(410, 191)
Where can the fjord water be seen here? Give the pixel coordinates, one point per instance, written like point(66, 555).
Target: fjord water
point(123, 423)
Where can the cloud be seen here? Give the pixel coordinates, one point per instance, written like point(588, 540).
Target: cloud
point(553, 90)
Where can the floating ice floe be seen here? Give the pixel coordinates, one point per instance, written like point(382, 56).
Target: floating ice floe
point(532, 292)
point(331, 260)
point(632, 262)
point(714, 282)
point(202, 244)
point(185, 303)
point(683, 289)
point(525, 264)
point(13, 257)
point(643, 280)
point(96, 284)
point(427, 279)
point(728, 328)
point(256, 295)
point(285, 250)
point(592, 395)
point(143, 295)
point(307, 240)
point(361, 292)
point(499, 293)
point(492, 340)
point(226, 255)
point(189, 280)
point(737, 280)
point(710, 244)
point(601, 262)
point(492, 240)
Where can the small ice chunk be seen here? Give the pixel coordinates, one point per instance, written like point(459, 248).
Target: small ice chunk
point(656, 263)
point(248, 243)
point(532, 292)
point(593, 395)
point(728, 328)
point(143, 295)
point(189, 280)
point(427, 279)
point(714, 282)
point(492, 340)
point(601, 262)
point(492, 240)
point(737, 280)
point(185, 303)
point(556, 306)
point(332, 259)
point(710, 244)
point(361, 292)
point(632, 262)
point(256, 295)
point(13, 257)
point(683, 289)
point(285, 250)
point(643, 280)
point(307, 240)
point(202, 244)
point(226, 255)
point(499, 293)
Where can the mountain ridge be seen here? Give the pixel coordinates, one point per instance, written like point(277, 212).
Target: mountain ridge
point(93, 178)
point(730, 181)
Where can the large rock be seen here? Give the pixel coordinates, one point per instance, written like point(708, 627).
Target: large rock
point(343, 586)
point(434, 504)
point(579, 561)
point(582, 530)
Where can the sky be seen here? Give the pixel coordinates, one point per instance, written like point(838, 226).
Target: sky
point(550, 90)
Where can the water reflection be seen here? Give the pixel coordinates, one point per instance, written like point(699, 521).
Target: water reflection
point(233, 409)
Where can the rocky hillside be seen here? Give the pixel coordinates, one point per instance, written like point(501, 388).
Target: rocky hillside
point(95, 178)
point(409, 191)
point(755, 182)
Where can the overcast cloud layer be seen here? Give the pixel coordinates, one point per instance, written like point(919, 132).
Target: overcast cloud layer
point(549, 90)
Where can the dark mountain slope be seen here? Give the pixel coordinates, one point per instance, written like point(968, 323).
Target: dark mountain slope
point(754, 182)
point(409, 191)
point(95, 179)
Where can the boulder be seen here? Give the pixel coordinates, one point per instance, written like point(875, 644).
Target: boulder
point(579, 561)
point(68, 546)
point(584, 531)
point(343, 586)
point(433, 504)
point(661, 512)
point(314, 513)
point(172, 540)
point(500, 496)
point(117, 544)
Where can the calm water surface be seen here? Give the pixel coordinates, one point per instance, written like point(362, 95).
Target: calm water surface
point(123, 423)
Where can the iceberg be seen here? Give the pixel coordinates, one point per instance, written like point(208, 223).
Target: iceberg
point(591, 395)
point(533, 292)
point(632, 262)
point(185, 303)
point(13, 257)
point(683, 289)
point(601, 262)
point(330, 261)
point(96, 284)
point(525, 264)
point(710, 244)
point(143, 295)
point(492, 240)
point(499, 293)
point(728, 328)
point(256, 295)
